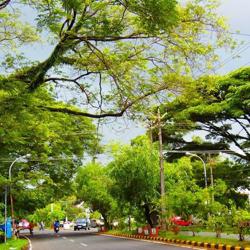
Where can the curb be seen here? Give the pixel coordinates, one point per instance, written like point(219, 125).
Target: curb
point(29, 246)
point(205, 245)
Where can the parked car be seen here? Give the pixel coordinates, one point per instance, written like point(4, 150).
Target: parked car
point(177, 220)
point(80, 224)
point(24, 224)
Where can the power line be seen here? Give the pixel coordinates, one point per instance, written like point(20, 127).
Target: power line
point(230, 32)
point(232, 58)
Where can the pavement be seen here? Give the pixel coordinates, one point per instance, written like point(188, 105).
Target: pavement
point(90, 240)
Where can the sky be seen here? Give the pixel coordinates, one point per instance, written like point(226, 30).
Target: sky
point(237, 15)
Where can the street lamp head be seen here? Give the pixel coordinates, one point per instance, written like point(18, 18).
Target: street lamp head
point(27, 156)
point(23, 158)
point(188, 153)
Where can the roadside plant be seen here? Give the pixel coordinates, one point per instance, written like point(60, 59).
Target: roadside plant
point(241, 222)
point(218, 218)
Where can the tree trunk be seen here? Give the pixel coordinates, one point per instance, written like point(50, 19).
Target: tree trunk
point(106, 223)
point(147, 214)
point(241, 234)
point(129, 223)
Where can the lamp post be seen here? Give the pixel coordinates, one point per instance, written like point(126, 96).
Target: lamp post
point(18, 159)
point(204, 166)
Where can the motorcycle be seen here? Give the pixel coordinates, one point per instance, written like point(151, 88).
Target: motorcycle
point(56, 229)
point(56, 226)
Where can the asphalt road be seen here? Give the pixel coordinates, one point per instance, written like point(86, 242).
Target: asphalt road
point(89, 240)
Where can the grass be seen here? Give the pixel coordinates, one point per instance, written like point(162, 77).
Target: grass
point(208, 239)
point(17, 244)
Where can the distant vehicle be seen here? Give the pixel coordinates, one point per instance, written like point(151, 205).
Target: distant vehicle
point(100, 223)
point(24, 224)
point(80, 224)
point(61, 223)
point(68, 225)
point(177, 220)
point(93, 223)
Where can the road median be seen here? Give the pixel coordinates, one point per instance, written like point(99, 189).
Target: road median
point(179, 242)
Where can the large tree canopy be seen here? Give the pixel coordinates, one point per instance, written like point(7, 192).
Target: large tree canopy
point(112, 54)
point(220, 106)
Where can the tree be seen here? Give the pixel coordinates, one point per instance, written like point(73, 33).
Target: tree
point(218, 220)
point(115, 53)
point(56, 142)
point(135, 175)
point(217, 105)
point(4, 3)
point(229, 178)
point(48, 214)
point(93, 187)
point(183, 196)
point(240, 220)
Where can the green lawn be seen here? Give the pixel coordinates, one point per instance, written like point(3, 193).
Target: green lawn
point(14, 244)
point(208, 239)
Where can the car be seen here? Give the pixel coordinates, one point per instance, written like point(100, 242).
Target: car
point(22, 225)
point(80, 224)
point(177, 220)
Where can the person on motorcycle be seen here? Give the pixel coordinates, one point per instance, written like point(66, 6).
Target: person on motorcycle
point(56, 226)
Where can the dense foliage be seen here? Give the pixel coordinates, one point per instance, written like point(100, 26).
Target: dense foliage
point(56, 143)
point(113, 54)
point(220, 106)
point(93, 186)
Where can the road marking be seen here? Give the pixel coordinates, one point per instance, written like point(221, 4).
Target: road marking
point(83, 244)
point(72, 240)
point(64, 238)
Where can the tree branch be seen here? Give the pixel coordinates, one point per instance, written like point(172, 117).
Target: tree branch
point(4, 4)
point(110, 38)
point(120, 113)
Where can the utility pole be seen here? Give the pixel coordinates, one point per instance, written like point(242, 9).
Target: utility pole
point(150, 133)
point(162, 179)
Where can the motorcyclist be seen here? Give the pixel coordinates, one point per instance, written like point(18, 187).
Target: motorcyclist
point(56, 226)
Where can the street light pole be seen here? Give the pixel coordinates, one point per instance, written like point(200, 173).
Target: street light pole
point(204, 166)
point(18, 159)
point(11, 197)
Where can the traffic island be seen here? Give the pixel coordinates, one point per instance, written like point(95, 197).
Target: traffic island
point(195, 244)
